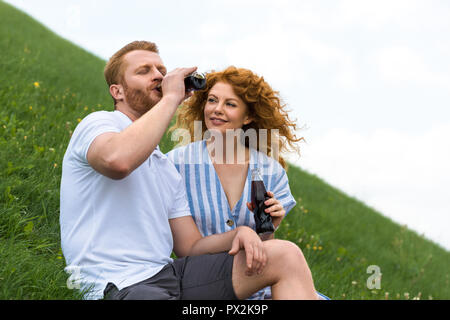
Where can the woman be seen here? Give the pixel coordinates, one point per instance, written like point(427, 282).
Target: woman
point(246, 123)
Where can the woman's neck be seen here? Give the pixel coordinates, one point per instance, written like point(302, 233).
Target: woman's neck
point(221, 153)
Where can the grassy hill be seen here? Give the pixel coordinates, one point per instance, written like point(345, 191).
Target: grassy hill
point(48, 84)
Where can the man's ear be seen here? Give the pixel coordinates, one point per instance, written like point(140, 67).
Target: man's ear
point(117, 91)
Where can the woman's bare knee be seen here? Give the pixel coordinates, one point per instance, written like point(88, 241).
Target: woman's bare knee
point(285, 260)
point(284, 252)
point(294, 279)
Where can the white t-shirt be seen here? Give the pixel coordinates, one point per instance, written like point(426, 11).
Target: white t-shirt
point(116, 230)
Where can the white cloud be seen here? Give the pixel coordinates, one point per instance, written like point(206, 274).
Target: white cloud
point(291, 58)
point(404, 176)
point(402, 66)
point(375, 14)
point(348, 74)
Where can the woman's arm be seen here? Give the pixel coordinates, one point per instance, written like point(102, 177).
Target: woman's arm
point(187, 241)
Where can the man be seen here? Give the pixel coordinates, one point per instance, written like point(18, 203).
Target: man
point(124, 206)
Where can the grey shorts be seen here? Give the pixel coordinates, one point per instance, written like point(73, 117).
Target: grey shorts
point(205, 277)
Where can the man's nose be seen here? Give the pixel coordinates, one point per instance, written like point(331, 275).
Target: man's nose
point(157, 75)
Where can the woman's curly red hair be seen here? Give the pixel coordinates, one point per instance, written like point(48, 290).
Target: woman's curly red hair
point(264, 107)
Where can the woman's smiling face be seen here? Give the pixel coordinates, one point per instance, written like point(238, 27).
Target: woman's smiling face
point(224, 109)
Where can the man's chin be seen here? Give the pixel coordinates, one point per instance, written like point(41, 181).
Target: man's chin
point(157, 98)
point(141, 102)
point(140, 108)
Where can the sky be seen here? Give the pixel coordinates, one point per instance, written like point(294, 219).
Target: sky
point(368, 82)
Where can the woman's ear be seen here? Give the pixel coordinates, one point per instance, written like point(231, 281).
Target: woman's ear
point(247, 120)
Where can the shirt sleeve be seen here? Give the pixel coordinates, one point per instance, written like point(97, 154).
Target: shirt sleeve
point(180, 205)
point(281, 189)
point(88, 129)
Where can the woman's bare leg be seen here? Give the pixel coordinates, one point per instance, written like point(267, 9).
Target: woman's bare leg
point(286, 271)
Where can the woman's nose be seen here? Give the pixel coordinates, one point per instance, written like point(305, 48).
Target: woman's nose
point(218, 108)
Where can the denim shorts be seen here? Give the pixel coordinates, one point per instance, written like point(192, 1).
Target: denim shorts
point(205, 277)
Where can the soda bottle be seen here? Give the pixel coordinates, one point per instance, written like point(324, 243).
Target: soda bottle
point(263, 220)
point(195, 81)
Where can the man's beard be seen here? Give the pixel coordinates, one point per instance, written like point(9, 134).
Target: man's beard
point(139, 100)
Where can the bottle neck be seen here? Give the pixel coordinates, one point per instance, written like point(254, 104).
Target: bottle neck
point(256, 175)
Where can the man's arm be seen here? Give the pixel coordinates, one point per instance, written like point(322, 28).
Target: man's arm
point(188, 241)
point(116, 155)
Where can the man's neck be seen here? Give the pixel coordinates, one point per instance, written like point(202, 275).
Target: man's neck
point(130, 113)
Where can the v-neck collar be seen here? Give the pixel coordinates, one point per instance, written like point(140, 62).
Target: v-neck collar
point(222, 190)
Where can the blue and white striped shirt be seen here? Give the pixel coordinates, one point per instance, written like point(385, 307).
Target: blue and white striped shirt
point(207, 200)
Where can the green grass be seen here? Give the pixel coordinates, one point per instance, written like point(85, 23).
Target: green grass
point(48, 84)
point(341, 237)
